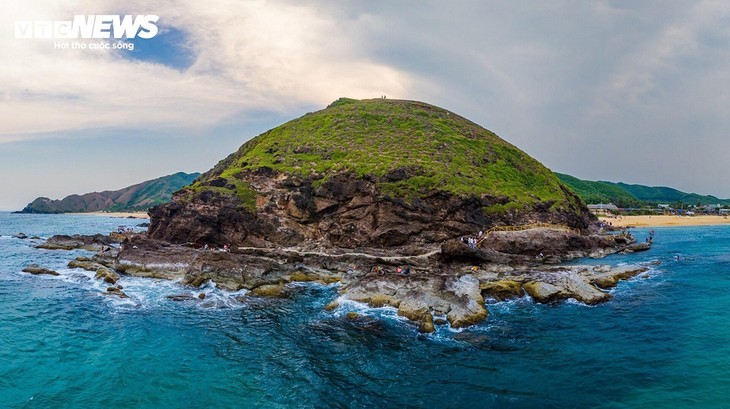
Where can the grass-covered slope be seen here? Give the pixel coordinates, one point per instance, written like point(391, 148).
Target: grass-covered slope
point(139, 197)
point(411, 149)
point(664, 194)
point(600, 192)
point(626, 195)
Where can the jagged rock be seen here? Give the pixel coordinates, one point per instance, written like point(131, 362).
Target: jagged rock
point(106, 274)
point(458, 298)
point(544, 292)
point(90, 242)
point(468, 308)
point(85, 263)
point(306, 274)
point(636, 247)
point(180, 297)
point(611, 278)
point(270, 290)
point(119, 237)
point(501, 290)
point(142, 257)
point(554, 244)
point(234, 271)
point(583, 291)
point(115, 291)
point(35, 269)
point(417, 310)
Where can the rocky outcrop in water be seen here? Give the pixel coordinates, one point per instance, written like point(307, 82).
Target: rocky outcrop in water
point(434, 287)
point(35, 269)
point(94, 242)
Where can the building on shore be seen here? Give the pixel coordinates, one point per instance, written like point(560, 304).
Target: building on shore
point(603, 209)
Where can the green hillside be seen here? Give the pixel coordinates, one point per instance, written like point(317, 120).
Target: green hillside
point(139, 197)
point(411, 149)
point(669, 195)
point(626, 195)
point(600, 192)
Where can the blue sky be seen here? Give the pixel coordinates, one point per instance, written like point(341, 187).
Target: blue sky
point(623, 91)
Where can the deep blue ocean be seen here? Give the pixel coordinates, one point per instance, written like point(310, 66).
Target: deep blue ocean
point(662, 342)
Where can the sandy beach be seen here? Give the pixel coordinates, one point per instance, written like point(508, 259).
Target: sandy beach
point(136, 215)
point(661, 220)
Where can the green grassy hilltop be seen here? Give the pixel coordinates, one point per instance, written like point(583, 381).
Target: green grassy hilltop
point(411, 149)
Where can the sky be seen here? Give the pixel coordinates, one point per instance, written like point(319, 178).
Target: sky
point(631, 91)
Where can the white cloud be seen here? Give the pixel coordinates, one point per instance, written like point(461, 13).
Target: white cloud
point(250, 55)
point(632, 91)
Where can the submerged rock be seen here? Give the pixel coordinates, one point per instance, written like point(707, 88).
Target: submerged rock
point(180, 297)
point(21, 236)
point(115, 291)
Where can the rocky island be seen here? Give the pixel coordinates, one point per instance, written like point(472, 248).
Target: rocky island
point(405, 204)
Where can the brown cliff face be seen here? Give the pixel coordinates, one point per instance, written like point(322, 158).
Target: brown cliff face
point(371, 173)
point(343, 212)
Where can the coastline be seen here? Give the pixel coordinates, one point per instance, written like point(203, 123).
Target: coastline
point(122, 215)
point(665, 221)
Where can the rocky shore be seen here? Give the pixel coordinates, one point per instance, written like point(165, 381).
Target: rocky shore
point(429, 286)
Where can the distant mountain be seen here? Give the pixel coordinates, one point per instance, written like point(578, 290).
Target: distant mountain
point(139, 197)
point(625, 195)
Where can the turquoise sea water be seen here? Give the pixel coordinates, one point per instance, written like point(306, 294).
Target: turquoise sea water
point(662, 342)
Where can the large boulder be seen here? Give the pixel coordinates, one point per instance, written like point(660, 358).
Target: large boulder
point(502, 289)
point(106, 274)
